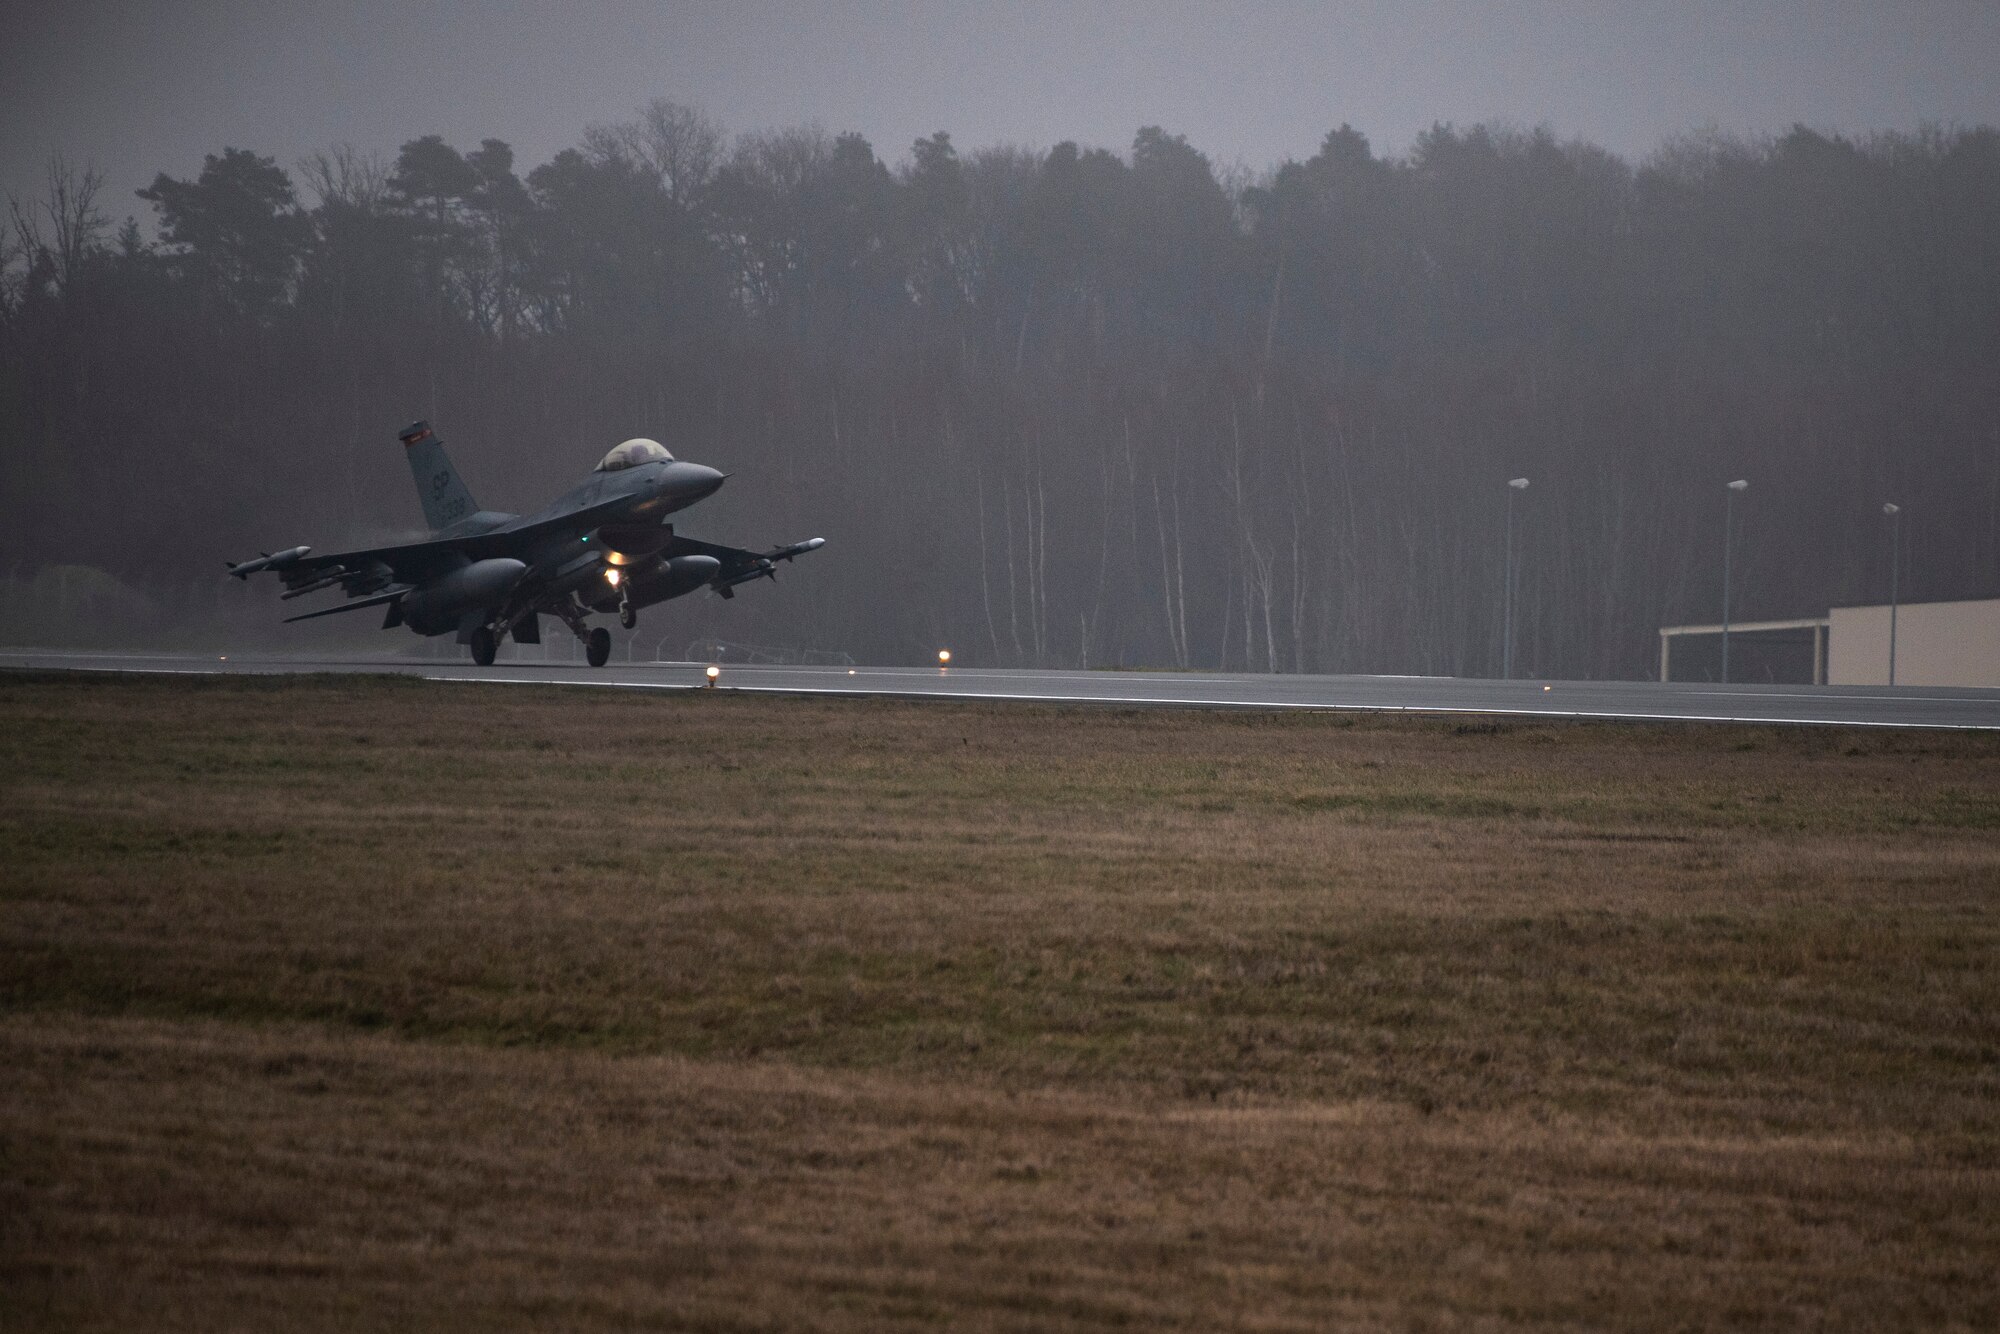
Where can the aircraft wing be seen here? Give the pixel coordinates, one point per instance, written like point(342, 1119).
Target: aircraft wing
point(369, 571)
point(740, 566)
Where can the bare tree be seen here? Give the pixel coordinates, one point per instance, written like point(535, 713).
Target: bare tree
point(674, 143)
point(682, 146)
point(11, 251)
point(345, 175)
point(75, 226)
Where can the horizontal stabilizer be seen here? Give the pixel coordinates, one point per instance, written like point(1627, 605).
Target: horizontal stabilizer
point(357, 604)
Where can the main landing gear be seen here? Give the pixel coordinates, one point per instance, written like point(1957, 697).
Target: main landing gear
point(485, 640)
point(596, 641)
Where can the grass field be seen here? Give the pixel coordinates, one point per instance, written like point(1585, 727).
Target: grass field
point(369, 1003)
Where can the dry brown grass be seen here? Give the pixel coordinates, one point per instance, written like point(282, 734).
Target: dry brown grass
point(347, 1003)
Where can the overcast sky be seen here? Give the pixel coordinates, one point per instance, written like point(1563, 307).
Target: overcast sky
point(140, 86)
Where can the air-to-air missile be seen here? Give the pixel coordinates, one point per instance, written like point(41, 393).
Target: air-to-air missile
point(267, 561)
point(766, 566)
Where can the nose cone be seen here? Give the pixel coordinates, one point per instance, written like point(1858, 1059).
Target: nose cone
point(685, 483)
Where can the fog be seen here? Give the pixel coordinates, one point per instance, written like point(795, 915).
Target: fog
point(139, 87)
point(1088, 335)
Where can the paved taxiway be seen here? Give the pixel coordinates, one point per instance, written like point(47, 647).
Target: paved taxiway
point(1863, 706)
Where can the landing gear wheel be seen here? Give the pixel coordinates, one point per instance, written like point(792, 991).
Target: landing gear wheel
point(597, 648)
point(483, 646)
point(628, 615)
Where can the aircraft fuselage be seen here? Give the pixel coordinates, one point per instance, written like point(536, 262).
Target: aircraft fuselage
point(603, 545)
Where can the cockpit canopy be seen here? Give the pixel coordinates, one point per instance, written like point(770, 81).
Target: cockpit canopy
point(633, 453)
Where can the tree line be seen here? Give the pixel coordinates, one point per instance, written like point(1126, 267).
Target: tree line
point(1063, 407)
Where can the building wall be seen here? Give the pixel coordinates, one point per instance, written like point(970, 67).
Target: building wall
point(1937, 644)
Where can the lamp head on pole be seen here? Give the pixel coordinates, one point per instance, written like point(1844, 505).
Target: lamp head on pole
point(1739, 485)
point(1892, 509)
point(1519, 484)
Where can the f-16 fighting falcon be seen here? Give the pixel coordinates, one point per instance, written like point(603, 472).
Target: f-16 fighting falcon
point(603, 546)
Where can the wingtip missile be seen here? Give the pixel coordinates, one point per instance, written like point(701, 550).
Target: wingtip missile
point(798, 548)
point(764, 566)
point(268, 561)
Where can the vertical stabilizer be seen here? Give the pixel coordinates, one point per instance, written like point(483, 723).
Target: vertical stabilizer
point(443, 496)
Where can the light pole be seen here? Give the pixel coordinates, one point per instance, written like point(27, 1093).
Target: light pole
point(1507, 574)
point(1728, 533)
point(1895, 513)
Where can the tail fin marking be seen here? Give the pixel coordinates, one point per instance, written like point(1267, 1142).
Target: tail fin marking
point(439, 490)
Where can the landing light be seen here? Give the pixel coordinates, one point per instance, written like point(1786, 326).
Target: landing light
point(611, 577)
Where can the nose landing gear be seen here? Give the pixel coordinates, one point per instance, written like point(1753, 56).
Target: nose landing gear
point(628, 615)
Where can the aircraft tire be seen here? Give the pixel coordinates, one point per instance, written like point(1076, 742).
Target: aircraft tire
point(628, 615)
point(597, 649)
point(483, 646)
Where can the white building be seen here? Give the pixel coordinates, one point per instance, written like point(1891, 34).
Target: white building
point(1937, 643)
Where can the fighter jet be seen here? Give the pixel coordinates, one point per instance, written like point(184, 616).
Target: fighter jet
point(603, 546)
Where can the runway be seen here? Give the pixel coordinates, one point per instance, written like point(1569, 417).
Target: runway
point(1845, 706)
